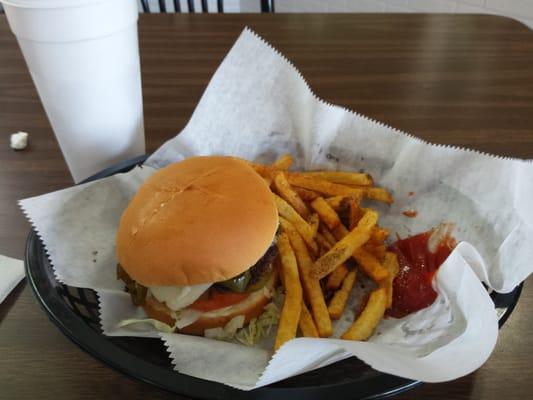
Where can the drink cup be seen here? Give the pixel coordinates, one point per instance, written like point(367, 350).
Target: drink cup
point(83, 57)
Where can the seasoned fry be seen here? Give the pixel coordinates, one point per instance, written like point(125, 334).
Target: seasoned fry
point(391, 264)
point(335, 201)
point(326, 213)
point(303, 228)
point(314, 221)
point(370, 265)
point(368, 320)
point(306, 194)
point(312, 290)
point(338, 302)
point(264, 170)
point(336, 277)
point(283, 163)
point(377, 250)
point(345, 247)
point(322, 241)
point(378, 235)
point(292, 305)
point(354, 213)
point(323, 186)
point(284, 189)
point(327, 234)
point(378, 194)
point(345, 178)
point(306, 323)
point(340, 231)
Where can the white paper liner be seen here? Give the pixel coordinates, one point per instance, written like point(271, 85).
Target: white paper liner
point(258, 106)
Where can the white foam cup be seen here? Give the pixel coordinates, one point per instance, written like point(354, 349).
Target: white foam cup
point(83, 56)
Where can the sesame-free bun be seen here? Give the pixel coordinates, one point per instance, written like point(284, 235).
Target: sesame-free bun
point(204, 219)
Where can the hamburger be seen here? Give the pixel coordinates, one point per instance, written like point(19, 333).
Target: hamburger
point(195, 245)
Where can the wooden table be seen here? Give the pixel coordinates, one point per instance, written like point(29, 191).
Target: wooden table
point(463, 80)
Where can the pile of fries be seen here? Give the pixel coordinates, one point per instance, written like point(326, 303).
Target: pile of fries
point(327, 238)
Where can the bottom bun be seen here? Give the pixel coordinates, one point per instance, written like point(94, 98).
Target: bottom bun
point(250, 308)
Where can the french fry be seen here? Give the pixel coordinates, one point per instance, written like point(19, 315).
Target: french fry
point(378, 235)
point(264, 170)
point(335, 201)
point(377, 250)
point(303, 228)
point(354, 213)
point(376, 193)
point(326, 213)
point(283, 163)
point(306, 323)
point(306, 194)
point(292, 305)
point(345, 178)
point(322, 241)
point(323, 186)
point(314, 221)
point(370, 265)
point(312, 290)
point(340, 231)
point(336, 277)
point(284, 189)
point(368, 320)
point(391, 264)
point(345, 247)
point(327, 234)
point(338, 302)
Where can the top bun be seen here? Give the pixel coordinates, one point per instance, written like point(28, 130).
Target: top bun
point(204, 219)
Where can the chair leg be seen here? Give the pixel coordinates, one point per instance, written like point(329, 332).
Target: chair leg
point(144, 4)
point(162, 6)
point(267, 6)
point(177, 6)
point(220, 6)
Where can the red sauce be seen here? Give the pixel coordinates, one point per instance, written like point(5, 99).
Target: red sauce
point(216, 299)
point(412, 289)
point(410, 213)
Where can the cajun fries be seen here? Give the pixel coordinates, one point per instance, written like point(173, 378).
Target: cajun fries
point(345, 178)
point(285, 190)
point(391, 264)
point(292, 306)
point(345, 247)
point(312, 290)
point(370, 265)
point(283, 163)
point(338, 302)
point(303, 228)
point(368, 320)
point(323, 186)
point(306, 194)
point(336, 277)
point(306, 324)
point(327, 234)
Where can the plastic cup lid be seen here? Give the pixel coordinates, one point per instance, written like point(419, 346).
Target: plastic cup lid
point(49, 3)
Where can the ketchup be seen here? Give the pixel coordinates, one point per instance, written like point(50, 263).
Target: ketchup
point(412, 289)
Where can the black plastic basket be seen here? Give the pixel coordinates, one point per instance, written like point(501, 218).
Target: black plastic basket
point(75, 312)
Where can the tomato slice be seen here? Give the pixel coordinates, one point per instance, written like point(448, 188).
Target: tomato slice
point(216, 299)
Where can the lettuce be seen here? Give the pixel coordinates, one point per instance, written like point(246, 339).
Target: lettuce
point(259, 327)
point(228, 332)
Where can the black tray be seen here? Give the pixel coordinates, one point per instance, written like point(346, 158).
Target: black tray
point(75, 312)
